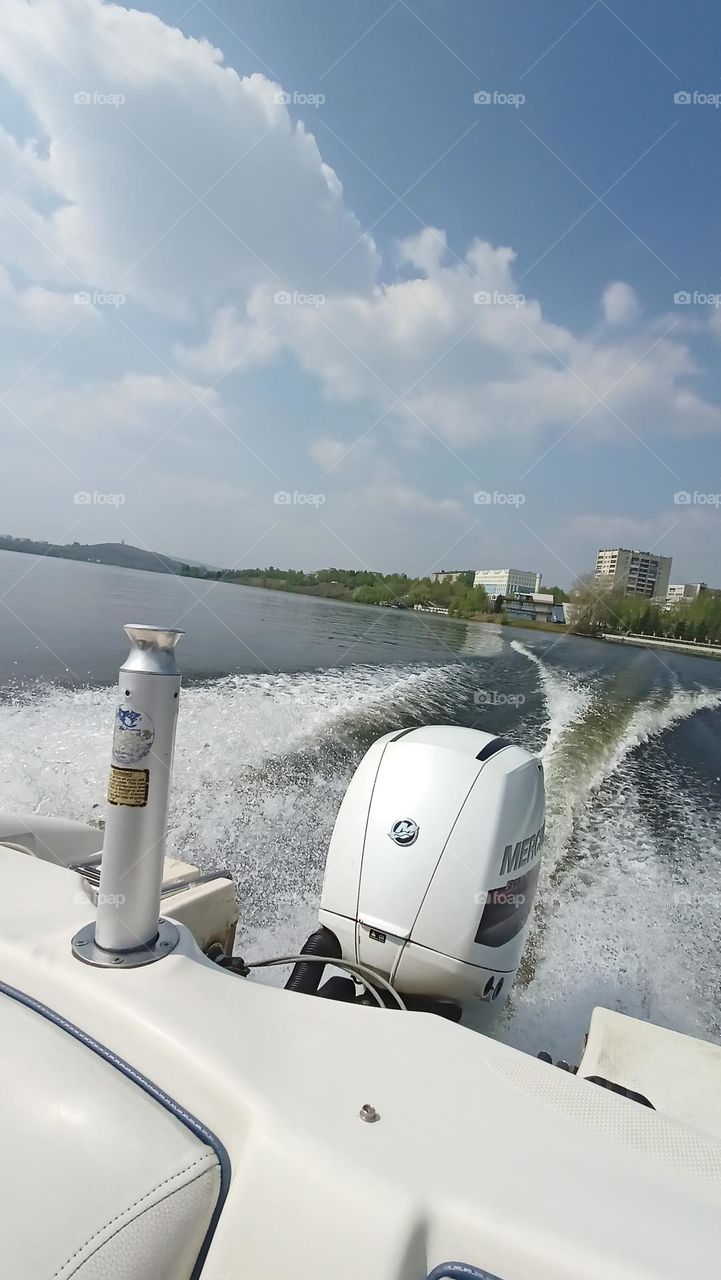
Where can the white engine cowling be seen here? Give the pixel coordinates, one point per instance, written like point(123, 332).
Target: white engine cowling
point(434, 859)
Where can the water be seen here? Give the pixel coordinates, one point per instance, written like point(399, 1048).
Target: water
point(282, 696)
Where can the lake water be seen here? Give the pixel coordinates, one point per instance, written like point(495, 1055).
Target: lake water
point(283, 694)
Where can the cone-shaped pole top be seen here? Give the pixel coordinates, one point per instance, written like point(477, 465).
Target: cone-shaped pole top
point(152, 648)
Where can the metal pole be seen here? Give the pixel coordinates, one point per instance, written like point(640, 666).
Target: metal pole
point(127, 927)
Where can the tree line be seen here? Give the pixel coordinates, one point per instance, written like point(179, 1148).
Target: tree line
point(363, 586)
point(599, 609)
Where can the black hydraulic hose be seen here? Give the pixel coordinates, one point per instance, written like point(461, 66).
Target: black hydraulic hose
point(306, 977)
point(370, 980)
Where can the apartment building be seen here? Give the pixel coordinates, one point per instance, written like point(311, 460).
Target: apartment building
point(679, 591)
point(636, 573)
point(448, 575)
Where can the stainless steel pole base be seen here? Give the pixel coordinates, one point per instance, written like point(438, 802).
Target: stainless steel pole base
point(85, 948)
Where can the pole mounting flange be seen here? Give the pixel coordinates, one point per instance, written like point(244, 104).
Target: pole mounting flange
point(85, 948)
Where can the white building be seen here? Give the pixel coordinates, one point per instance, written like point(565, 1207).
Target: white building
point(679, 591)
point(507, 582)
point(636, 573)
point(537, 605)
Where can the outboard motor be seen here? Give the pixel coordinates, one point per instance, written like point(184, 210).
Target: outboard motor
point(433, 863)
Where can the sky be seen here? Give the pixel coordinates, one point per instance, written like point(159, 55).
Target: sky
point(401, 285)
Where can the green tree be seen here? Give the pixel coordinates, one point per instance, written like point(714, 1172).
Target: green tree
point(596, 607)
point(464, 604)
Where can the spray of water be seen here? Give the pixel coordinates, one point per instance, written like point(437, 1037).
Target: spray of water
point(262, 764)
point(620, 919)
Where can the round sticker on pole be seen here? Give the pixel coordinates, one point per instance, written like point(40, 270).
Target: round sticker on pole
point(133, 736)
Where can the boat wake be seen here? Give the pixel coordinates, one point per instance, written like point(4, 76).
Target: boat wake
point(261, 766)
point(630, 892)
point(623, 917)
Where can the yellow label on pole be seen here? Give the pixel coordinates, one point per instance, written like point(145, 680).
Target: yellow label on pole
point(129, 787)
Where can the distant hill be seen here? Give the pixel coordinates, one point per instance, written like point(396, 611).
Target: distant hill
point(119, 553)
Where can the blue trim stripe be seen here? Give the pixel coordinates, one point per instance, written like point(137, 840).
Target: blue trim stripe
point(154, 1091)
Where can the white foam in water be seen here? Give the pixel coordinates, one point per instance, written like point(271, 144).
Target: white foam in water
point(261, 766)
point(566, 698)
point(652, 718)
point(54, 745)
point(625, 930)
point(621, 920)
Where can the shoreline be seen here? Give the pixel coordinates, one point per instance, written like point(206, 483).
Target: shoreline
point(694, 647)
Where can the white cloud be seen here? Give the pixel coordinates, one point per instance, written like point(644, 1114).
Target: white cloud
point(425, 249)
point(715, 322)
point(39, 308)
point(125, 217)
point(469, 356)
point(620, 530)
point(445, 352)
point(326, 452)
point(620, 304)
point(123, 181)
point(134, 409)
point(404, 498)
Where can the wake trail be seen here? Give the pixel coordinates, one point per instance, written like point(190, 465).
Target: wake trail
point(621, 920)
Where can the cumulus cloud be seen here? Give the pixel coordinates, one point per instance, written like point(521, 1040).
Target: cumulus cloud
point(156, 171)
point(620, 304)
point(167, 174)
point(460, 351)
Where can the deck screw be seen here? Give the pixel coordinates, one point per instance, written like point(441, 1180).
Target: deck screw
point(369, 1113)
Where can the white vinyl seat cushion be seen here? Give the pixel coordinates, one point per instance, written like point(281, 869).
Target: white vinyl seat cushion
point(98, 1180)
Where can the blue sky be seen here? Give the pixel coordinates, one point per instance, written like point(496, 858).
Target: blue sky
point(168, 173)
